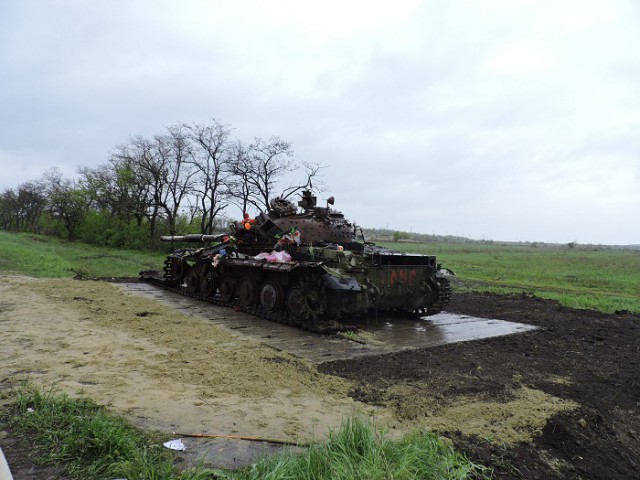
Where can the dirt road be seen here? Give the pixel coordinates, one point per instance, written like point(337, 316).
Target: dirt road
point(557, 402)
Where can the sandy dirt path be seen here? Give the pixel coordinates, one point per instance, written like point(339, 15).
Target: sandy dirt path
point(159, 368)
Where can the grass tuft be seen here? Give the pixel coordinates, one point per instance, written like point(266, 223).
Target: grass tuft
point(89, 442)
point(360, 451)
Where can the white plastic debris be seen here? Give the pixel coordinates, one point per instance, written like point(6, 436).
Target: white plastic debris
point(30, 410)
point(175, 445)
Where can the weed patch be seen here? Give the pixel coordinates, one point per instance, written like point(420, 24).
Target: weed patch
point(359, 450)
point(87, 441)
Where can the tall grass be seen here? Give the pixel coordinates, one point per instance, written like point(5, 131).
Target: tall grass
point(601, 279)
point(360, 451)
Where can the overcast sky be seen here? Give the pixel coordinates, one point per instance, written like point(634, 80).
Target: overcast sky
point(504, 120)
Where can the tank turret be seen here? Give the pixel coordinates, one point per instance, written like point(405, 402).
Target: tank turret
point(315, 224)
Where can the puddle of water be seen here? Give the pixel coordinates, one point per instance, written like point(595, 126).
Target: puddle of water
point(382, 334)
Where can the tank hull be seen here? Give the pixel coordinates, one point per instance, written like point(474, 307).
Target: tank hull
point(305, 269)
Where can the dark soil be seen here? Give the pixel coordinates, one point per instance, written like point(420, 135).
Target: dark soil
point(598, 353)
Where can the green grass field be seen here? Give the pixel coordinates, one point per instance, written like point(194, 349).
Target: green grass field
point(603, 279)
point(48, 257)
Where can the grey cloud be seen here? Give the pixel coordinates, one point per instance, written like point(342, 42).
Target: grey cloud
point(434, 122)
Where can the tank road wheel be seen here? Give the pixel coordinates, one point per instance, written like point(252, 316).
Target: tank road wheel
point(247, 291)
point(193, 280)
point(179, 269)
point(208, 284)
point(306, 304)
point(227, 289)
point(271, 297)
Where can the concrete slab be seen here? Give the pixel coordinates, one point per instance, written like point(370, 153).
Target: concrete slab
point(379, 334)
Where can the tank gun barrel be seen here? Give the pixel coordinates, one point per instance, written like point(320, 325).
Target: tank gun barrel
point(193, 238)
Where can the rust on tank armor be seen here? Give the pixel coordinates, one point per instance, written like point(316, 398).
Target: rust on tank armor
point(303, 265)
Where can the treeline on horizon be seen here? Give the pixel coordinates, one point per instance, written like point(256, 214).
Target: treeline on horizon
point(182, 180)
point(388, 235)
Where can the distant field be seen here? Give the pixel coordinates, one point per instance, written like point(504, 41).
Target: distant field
point(603, 279)
point(41, 256)
point(606, 280)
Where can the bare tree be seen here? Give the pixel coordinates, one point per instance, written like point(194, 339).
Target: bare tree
point(311, 181)
point(260, 168)
point(131, 195)
point(159, 174)
point(174, 158)
point(211, 161)
point(241, 167)
point(270, 162)
point(191, 172)
point(139, 180)
point(119, 187)
point(257, 170)
point(99, 183)
point(21, 209)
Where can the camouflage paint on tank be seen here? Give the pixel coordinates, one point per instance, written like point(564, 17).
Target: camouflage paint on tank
point(329, 275)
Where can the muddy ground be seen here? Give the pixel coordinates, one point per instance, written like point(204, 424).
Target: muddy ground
point(561, 401)
point(586, 357)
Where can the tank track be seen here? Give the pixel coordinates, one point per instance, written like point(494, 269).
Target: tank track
point(444, 296)
point(166, 282)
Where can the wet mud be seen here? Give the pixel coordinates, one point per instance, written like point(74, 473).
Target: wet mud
point(587, 358)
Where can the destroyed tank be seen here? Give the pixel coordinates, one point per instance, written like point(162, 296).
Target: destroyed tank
point(304, 267)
